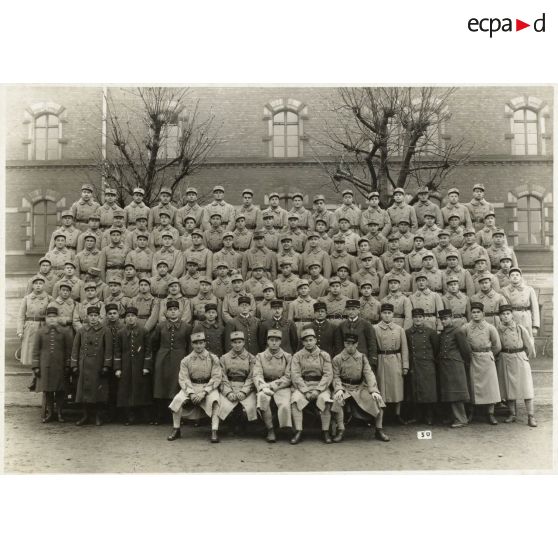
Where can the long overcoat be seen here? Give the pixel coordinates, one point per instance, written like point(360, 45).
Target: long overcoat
point(133, 354)
point(423, 347)
point(52, 350)
point(453, 359)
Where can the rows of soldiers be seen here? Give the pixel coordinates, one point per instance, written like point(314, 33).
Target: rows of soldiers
point(215, 310)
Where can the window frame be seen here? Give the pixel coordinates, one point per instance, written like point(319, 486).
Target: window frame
point(47, 127)
point(271, 110)
point(45, 224)
point(544, 124)
point(31, 114)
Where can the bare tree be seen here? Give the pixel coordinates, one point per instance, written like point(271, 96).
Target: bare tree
point(389, 137)
point(155, 137)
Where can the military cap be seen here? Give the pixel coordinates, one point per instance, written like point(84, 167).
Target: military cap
point(313, 234)
point(239, 217)
point(276, 303)
point(163, 262)
point(172, 304)
point(237, 335)
point(139, 191)
point(418, 235)
point(293, 216)
point(505, 308)
point(89, 235)
point(65, 284)
point(204, 279)
point(144, 280)
point(489, 214)
point(420, 275)
point(428, 256)
point(319, 197)
point(188, 218)
point(218, 188)
point(142, 235)
point(516, 269)
point(454, 216)
point(131, 310)
point(268, 286)
point(69, 262)
point(94, 216)
point(38, 278)
point(469, 230)
point(374, 195)
point(273, 195)
point(334, 279)
point(343, 266)
point(398, 256)
point(453, 191)
point(393, 237)
point(480, 259)
point(499, 231)
point(394, 279)
point(343, 218)
point(275, 333)
point(110, 190)
point(210, 306)
point(477, 305)
point(352, 303)
point(347, 191)
point(362, 240)
point(386, 306)
point(166, 234)
point(215, 214)
point(222, 264)
point(165, 190)
point(86, 187)
point(173, 281)
point(197, 232)
point(257, 266)
point(320, 220)
point(286, 237)
point(429, 213)
point(93, 310)
point(478, 187)
point(298, 195)
point(248, 191)
point(452, 279)
point(320, 306)
point(258, 234)
point(443, 232)
point(129, 265)
point(350, 338)
point(52, 311)
point(44, 259)
point(165, 212)
point(191, 190)
point(236, 277)
point(199, 336)
point(505, 257)
point(115, 230)
point(423, 190)
point(399, 191)
point(445, 313)
point(406, 221)
point(89, 285)
point(452, 256)
point(339, 240)
point(114, 279)
point(59, 235)
point(417, 312)
point(302, 283)
point(143, 217)
point(315, 264)
point(366, 282)
point(373, 223)
point(307, 333)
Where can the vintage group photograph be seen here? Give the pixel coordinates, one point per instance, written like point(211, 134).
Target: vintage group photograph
point(278, 279)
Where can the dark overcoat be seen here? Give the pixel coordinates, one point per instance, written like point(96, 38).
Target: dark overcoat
point(133, 355)
point(249, 326)
point(52, 351)
point(453, 360)
point(289, 341)
point(214, 336)
point(367, 342)
point(171, 343)
point(92, 350)
point(423, 350)
point(325, 335)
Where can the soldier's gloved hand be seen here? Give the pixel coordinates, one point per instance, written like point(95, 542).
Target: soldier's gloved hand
point(231, 397)
point(118, 373)
point(146, 371)
point(338, 396)
point(37, 372)
point(268, 391)
point(311, 395)
point(405, 371)
point(377, 397)
point(195, 398)
point(240, 396)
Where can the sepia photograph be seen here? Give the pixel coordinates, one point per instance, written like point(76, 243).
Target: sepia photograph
point(257, 279)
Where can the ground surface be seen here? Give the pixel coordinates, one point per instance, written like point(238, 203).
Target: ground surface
point(32, 447)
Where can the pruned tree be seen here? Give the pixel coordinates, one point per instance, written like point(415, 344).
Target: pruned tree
point(381, 138)
point(155, 137)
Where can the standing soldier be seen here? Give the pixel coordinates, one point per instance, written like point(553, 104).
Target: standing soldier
point(481, 270)
point(93, 275)
point(335, 302)
point(160, 281)
point(213, 330)
point(88, 257)
point(213, 235)
point(52, 350)
point(358, 326)
point(31, 316)
point(91, 299)
point(514, 370)
point(444, 249)
point(405, 236)
point(220, 206)
point(280, 215)
point(147, 305)
point(48, 276)
point(141, 229)
point(84, 207)
point(221, 285)
point(227, 254)
point(347, 233)
point(377, 240)
point(231, 302)
point(398, 272)
point(498, 249)
point(301, 310)
point(132, 363)
point(371, 268)
point(430, 302)
point(256, 284)
point(106, 211)
point(190, 282)
point(92, 230)
point(237, 384)
point(387, 257)
point(453, 207)
point(324, 329)
point(348, 210)
point(70, 278)
point(355, 383)
point(272, 379)
point(91, 360)
point(340, 256)
point(248, 210)
point(59, 255)
point(163, 228)
point(401, 304)
point(423, 346)
point(113, 256)
point(320, 212)
point(484, 236)
point(286, 283)
point(375, 213)
point(241, 235)
point(455, 231)
point(392, 358)
point(503, 275)
point(279, 321)
point(369, 306)
point(204, 296)
point(184, 304)
point(524, 302)
point(434, 276)
point(186, 235)
point(269, 233)
point(485, 345)
point(305, 221)
point(400, 209)
point(429, 230)
point(348, 288)
point(65, 305)
point(116, 296)
point(324, 242)
point(199, 379)
point(165, 197)
point(319, 285)
point(130, 282)
point(136, 208)
point(113, 324)
point(478, 207)
point(191, 209)
point(424, 206)
point(170, 254)
point(314, 254)
point(259, 254)
point(471, 251)
point(490, 299)
point(119, 222)
point(453, 361)
point(170, 343)
point(311, 376)
point(455, 271)
point(457, 302)
point(263, 308)
point(245, 322)
point(415, 256)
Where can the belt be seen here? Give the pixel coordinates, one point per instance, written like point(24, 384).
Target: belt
point(482, 350)
point(200, 381)
point(337, 316)
point(390, 352)
point(143, 316)
point(302, 319)
point(399, 315)
point(34, 319)
point(311, 376)
point(521, 308)
point(351, 382)
point(429, 314)
point(438, 290)
point(115, 266)
point(491, 313)
point(161, 296)
point(510, 351)
point(236, 377)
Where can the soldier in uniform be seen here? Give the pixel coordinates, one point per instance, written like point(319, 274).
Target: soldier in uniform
point(278, 321)
point(348, 288)
point(191, 209)
point(160, 280)
point(415, 257)
point(59, 255)
point(213, 329)
point(363, 329)
point(136, 208)
point(170, 254)
point(52, 350)
point(119, 223)
point(311, 376)
point(190, 281)
point(398, 272)
point(130, 282)
point(49, 277)
point(354, 384)
point(113, 256)
point(453, 361)
point(84, 207)
point(514, 370)
point(259, 254)
point(400, 209)
point(392, 249)
point(64, 305)
point(163, 228)
point(377, 240)
point(199, 379)
point(346, 232)
point(444, 249)
point(503, 275)
point(320, 212)
point(430, 302)
point(132, 363)
point(455, 271)
point(269, 233)
point(141, 229)
point(484, 235)
point(430, 231)
point(184, 304)
point(141, 256)
point(31, 316)
point(335, 302)
point(423, 345)
point(375, 213)
point(170, 344)
point(453, 207)
point(301, 310)
point(340, 256)
point(242, 235)
point(478, 207)
point(206, 295)
point(272, 379)
point(231, 301)
point(305, 221)
point(219, 205)
point(325, 241)
point(92, 230)
point(106, 211)
point(228, 254)
point(165, 197)
point(81, 308)
point(319, 285)
point(69, 277)
point(457, 302)
point(485, 345)
point(91, 360)
point(405, 236)
point(255, 285)
point(369, 306)
point(314, 254)
point(237, 385)
point(114, 323)
point(424, 206)
point(348, 210)
point(248, 210)
point(490, 299)
point(434, 276)
point(88, 257)
point(402, 306)
point(264, 311)
point(246, 322)
point(471, 250)
point(116, 296)
point(221, 285)
point(481, 270)
point(213, 235)
point(147, 306)
point(498, 249)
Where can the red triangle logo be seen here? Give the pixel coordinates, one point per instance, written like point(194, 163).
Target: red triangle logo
point(519, 25)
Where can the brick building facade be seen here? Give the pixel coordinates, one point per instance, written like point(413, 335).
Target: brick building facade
point(53, 135)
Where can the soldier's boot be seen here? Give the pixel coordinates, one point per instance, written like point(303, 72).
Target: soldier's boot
point(340, 427)
point(98, 416)
point(60, 397)
point(326, 436)
point(531, 421)
point(379, 434)
point(492, 419)
point(214, 437)
point(174, 435)
point(214, 424)
point(325, 418)
point(513, 410)
point(297, 437)
point(84, 417)
point(297, 422)
point(270, 437)
point(49, 411)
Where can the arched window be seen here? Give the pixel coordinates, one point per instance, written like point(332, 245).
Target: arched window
point(528, 123)
point(285, 132)
point(43, 223)
point(529, 220)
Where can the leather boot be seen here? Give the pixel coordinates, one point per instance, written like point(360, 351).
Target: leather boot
point(400, 420)
point(84, 418)
point(531, 421)
point(214, 437)
point(98, 419)
point(271, 436)
point(296, 438)
point(326, 437)
point(492, 419)
point(339, 436)
point(510, 419)
point(174, 435)
point(381, 435)
point(59, 405)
